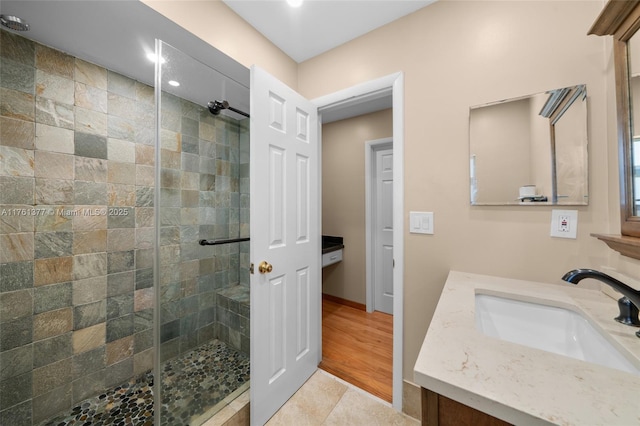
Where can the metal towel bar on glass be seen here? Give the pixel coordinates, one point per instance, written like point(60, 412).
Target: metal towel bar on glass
point(218, 242)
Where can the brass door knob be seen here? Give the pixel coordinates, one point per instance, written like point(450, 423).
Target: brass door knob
point(265, 267)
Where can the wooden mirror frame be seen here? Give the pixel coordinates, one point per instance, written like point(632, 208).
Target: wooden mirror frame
point(621, 19)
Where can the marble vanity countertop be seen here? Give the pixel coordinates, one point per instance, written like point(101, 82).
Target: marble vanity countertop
point(522, 385)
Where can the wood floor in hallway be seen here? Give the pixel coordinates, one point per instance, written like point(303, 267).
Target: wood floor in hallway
point(358, 347)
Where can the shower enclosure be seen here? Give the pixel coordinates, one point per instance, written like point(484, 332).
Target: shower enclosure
point(110, 309)
point(203, 210)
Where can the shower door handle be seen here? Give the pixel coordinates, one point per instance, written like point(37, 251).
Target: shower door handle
point(265, 267)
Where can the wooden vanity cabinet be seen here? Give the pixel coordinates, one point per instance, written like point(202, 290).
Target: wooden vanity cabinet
point(438, 410)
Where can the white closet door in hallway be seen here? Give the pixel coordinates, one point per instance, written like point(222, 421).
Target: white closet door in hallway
point(383, 229)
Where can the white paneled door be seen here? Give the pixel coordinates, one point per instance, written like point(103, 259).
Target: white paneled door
point(383, 231)
point(285, 243)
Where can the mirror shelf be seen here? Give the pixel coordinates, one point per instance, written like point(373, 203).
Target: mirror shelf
point(626, 246)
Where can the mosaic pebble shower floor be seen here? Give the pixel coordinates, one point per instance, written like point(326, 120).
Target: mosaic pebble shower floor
point(192, 384)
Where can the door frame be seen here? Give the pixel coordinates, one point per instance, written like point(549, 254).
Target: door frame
point(370, 148)
point(393, 83)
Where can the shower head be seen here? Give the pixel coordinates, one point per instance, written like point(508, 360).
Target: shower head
point(216, 106)
point(13, 23)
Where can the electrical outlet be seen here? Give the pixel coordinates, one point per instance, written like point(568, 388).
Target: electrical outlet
point(564, 223)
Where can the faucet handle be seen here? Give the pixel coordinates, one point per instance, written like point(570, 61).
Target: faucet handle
point(628, 313)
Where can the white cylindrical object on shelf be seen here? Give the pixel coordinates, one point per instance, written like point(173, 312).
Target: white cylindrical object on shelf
point(527, 191)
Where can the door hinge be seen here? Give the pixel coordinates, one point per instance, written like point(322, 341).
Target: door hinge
point(251, 268)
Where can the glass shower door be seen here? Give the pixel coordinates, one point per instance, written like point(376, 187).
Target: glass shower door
point(202, 210)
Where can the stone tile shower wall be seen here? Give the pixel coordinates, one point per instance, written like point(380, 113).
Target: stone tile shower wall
point(77, 229)
point(233, 303)
point(204, 195)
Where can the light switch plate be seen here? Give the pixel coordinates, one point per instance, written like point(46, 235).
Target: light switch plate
point(564, 223)
point(421, 222)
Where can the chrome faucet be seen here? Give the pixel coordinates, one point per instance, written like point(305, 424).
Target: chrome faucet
point(628, 304)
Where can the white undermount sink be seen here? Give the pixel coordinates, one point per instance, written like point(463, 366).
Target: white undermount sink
point(550, 328)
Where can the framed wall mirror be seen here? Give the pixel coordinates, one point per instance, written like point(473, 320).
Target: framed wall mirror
point(531, 150)
point(621, 19)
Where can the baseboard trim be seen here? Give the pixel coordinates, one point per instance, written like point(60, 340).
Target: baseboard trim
point(411, 400)
point(340, 300)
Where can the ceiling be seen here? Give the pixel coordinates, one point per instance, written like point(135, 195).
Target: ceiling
point(118, 34)
point(319, 25)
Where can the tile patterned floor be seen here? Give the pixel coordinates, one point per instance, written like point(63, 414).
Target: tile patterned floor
point(200, 379)
point(128, 404)
point(325, 400)
point(196, 382)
